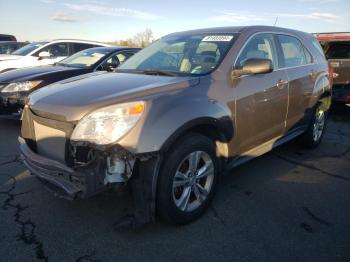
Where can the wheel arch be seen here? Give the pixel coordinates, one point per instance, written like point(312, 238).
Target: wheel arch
point(322, 92)
point(219, 133)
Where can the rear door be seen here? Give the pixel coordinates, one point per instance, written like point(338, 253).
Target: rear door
point(299, 65)
point(261, 100)
point(338, 55)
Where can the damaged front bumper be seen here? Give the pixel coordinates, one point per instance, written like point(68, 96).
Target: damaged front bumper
point(71, 183)
point(89, 180)
point(67, 182)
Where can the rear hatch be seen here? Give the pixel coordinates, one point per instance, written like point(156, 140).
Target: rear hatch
point(337, 50)
point(338, 55)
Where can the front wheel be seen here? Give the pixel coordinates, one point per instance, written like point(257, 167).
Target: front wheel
point(188, 179)
point(314, 134)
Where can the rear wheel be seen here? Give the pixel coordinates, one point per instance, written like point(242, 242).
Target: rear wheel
point(314, 134)
point(188, 180)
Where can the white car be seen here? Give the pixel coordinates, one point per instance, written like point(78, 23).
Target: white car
point(44, 53)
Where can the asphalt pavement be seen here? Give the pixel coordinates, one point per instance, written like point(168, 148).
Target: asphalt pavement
point(291, 204)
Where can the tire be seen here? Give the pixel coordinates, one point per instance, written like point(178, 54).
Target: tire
point(316, 129)
point(189, 180)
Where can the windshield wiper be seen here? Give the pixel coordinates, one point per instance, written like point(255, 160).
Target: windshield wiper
point(158, 72)
point(146, 72)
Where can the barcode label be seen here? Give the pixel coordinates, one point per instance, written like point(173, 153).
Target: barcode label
point(217, 38)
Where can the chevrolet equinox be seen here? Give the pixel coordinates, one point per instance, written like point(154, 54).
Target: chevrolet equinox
point(176, 115)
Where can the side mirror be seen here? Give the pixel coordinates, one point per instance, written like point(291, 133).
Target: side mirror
point(109, 67)
point(44, 54)
point(254, 66)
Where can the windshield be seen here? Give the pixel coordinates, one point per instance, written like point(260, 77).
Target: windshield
point(84, 59)
point(182, 55)
point(25, 50)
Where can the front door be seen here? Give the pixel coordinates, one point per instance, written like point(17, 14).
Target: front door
point(261, 100)
point(57, 52)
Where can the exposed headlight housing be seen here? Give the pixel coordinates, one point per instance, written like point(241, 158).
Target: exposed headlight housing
point(20, 86)
point(108, 124)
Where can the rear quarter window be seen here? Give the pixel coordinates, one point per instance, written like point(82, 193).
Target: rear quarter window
point(339, 50)
point(308, 56)
point(318, 46)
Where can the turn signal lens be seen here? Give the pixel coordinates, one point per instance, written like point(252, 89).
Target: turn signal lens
point(137, 109)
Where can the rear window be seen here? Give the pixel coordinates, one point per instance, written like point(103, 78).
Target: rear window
point(338, 51)
point(81, 46)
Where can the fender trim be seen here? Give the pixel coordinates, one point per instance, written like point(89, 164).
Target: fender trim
point(225, 130)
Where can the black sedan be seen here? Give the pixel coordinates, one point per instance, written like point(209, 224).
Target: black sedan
point(16, 85)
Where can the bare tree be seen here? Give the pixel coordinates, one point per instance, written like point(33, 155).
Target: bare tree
point(141, 39)
point(144, 38)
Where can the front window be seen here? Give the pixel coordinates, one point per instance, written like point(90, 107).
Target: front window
point(182, 55)
point(261, 46)
point(84, 59)
point(25, 50)
point(55, 50)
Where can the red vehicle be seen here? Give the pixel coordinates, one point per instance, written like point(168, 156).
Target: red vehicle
point(336, 47)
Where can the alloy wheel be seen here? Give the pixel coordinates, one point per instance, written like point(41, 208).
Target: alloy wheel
point(319, 124)
point(193, 181)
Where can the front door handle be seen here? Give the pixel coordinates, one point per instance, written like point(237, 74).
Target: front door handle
point(281, 83)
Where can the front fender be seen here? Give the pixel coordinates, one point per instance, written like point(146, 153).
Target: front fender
point(170, 115)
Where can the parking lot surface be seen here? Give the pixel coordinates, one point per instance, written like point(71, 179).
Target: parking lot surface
point(291, 204)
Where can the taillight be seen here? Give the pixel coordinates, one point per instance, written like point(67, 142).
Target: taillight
point(330, 73)
point(347, 98)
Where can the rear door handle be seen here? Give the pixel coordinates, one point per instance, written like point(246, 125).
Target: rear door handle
point(281, 83)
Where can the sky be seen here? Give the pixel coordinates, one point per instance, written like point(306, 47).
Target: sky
point(108, 20)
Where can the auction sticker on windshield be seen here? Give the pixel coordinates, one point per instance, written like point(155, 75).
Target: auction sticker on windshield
point(218, 38)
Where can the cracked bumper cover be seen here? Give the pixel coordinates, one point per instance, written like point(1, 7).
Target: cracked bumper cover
point(64, 179)
point(53, 172)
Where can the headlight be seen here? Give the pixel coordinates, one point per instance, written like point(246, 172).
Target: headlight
point(20, 86)
point(108, 124)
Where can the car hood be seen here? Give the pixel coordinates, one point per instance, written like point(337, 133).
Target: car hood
point(9, 57)
point(73, 98)
point(31, 73)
